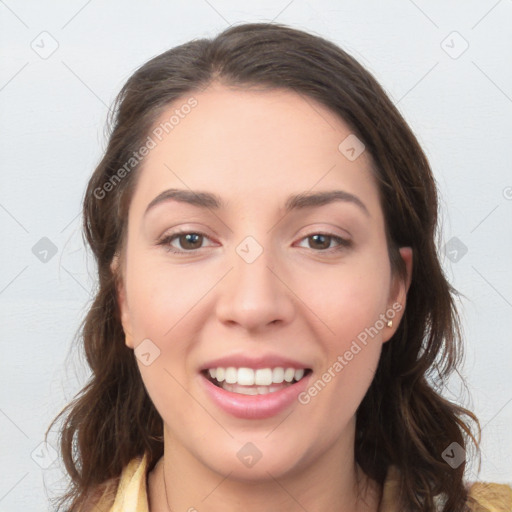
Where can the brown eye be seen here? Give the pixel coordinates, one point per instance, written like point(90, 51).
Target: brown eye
point(190, 241)
point(322, 242)
point(183, 242)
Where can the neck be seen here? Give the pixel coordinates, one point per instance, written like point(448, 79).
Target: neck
point(332, 482)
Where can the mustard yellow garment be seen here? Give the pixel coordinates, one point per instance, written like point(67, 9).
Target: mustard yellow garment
point(131, 495)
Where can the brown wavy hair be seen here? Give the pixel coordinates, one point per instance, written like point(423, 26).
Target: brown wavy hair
point(403, 420)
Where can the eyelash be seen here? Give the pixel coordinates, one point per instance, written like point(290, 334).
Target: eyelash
point(166, 241)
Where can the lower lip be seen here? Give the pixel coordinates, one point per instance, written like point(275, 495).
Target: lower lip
point(255, 407)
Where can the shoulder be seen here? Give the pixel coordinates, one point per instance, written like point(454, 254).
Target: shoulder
point(492, 497)
point(126, 493)
point(101, 499)
point(483, 496)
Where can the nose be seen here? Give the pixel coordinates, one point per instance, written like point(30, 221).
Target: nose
point(255, 294)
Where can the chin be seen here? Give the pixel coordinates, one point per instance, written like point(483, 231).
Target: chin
point(257, 460)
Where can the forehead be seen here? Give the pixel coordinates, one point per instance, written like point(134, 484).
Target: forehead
point(251, 145)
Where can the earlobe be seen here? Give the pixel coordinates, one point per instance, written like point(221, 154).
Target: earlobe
point(125, 319)
point(121, 301)
point(398, 298)
point(406, 254)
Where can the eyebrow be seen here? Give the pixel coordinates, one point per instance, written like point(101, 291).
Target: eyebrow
point(208, 200)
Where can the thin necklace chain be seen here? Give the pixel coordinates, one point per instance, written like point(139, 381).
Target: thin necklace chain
point(167, 496)
point(165, 486)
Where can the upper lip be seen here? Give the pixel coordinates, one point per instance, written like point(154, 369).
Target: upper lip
point(246, 361)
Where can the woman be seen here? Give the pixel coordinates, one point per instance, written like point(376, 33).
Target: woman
point(272, 322)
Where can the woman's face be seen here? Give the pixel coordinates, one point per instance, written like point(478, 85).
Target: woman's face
point(264, 281)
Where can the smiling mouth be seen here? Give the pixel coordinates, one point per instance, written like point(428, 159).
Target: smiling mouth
point(246, 381)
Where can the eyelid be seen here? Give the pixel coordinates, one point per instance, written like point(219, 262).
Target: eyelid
point(326, 229)
point(342, 241)
point(166, 239)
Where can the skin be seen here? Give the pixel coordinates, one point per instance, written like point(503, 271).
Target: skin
point(297, 299)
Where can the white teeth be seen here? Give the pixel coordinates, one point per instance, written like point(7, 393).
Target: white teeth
point(243, 390)
point(231, 375)
point(278, 375)
point(289, 373)
point(252, 390)
point(261, 377)
point(245, 376)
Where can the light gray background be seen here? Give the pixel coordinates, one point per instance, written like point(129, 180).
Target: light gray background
point(53, 111)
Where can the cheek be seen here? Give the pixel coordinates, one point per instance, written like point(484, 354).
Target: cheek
point(162, 294)
point(352, 345)
point(348, 298)
point(162, 309)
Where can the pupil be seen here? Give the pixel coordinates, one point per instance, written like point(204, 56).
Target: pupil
point(194, 239)
point(324, 245)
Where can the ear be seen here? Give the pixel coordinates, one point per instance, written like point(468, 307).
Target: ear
point(124, 312)
point(398, 295)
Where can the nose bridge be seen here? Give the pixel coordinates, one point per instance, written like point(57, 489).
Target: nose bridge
point(253, 295)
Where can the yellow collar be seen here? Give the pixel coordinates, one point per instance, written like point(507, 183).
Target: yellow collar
point(131, 495)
